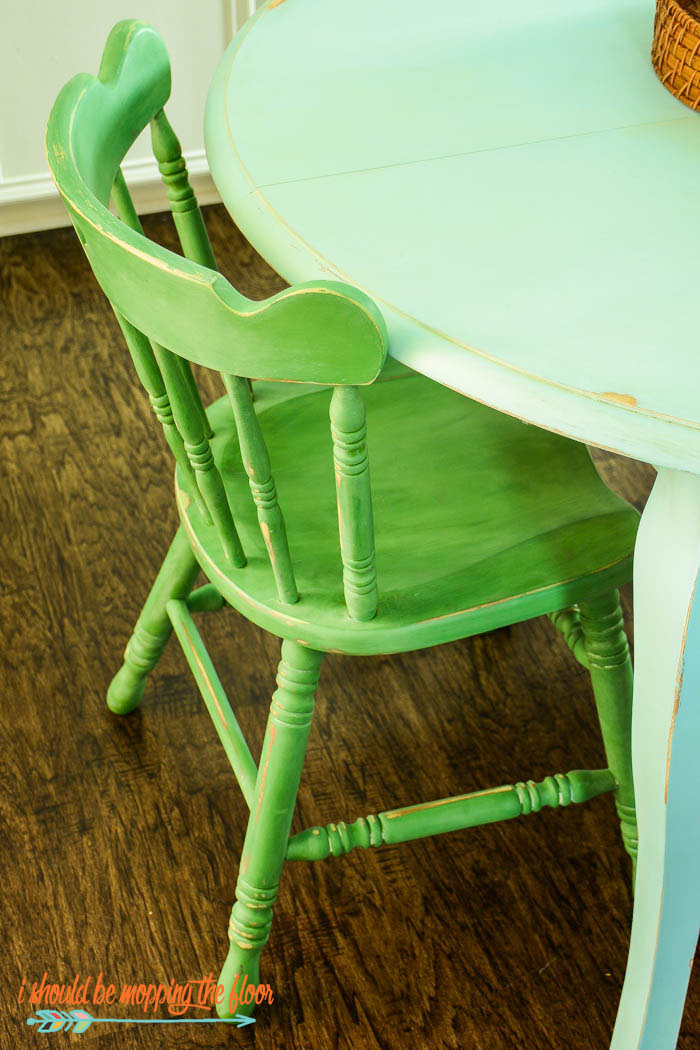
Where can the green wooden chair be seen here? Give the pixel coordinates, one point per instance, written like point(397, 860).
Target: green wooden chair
point(472, 520)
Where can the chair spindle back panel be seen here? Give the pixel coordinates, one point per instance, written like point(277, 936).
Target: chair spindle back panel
point(178, 405)
point(196, 246)
point(176, 310)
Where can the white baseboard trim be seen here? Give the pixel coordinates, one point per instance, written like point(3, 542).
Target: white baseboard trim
point(31, 202)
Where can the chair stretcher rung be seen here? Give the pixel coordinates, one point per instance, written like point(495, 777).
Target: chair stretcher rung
point(205, 599)
point(568, 623)
point(450, 814)
point(215, 698)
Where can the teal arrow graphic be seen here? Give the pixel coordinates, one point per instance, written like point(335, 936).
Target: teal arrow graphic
point(78, 1021)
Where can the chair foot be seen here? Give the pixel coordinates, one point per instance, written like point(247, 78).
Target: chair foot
point(240, 972)
point(175, 580)
point(610, 667)
point(270, 821)
point(126, 688)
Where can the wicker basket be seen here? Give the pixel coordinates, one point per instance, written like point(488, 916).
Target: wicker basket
point(675, 51)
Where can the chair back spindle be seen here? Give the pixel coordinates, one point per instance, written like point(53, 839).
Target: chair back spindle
point(127, 213)
point(188, 422)
point(175, 399)
point(355, 519)
point(187, 215)
point(151, 378)
point(124, 204)
point(196, 246)
point(256, 461)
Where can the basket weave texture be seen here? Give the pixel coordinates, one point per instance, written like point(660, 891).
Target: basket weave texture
point(675, 52)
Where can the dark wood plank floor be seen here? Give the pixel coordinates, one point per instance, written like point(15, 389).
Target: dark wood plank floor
point(120, 837)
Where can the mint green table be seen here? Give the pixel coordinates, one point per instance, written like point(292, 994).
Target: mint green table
point(520, 196)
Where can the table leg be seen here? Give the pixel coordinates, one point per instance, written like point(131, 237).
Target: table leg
point(666, 761)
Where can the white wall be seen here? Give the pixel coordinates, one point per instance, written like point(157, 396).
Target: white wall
point(44, 43)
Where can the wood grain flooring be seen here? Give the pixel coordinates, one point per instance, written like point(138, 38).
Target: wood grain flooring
point(120, 837)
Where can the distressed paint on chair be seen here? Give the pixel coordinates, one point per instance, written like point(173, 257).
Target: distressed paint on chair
point(355, 522)
point(225, 721)
point(175, 579)
point(150, 375)
point(610, 668)
point(480, 520)
point(450, 814)
point(262, 485)
point(186, 213)
point(126, 211)
point(265, 846)
point(196, 246)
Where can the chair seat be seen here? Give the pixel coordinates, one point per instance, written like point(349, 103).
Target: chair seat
point(480, 519)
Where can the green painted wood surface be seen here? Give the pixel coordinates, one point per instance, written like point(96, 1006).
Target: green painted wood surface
point(150, 375)
point(354, 501)
point(222, 715)
point(528, 150)
point(197, 446)
point(183, 203)
point(450, 814)
point(610, 667)
point(175, 579)
point(196, 246)
point(464, 542)
point(323, 331)
point(568, 623)
point(256, 462)
point(205, 599)
point(124, 205)
point(473, 519)
point(266, 838)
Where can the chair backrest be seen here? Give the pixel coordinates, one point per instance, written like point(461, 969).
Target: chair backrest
point(175, 310)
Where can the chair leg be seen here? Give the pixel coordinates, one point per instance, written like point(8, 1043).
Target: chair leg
point(175, 580)
point(270, 821)
point(610, 668)
point(666, 737)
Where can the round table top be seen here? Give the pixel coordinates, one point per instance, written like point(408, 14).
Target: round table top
point(512, 185)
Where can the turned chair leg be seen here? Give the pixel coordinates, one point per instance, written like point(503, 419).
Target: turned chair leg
point(175, 580)
point(270, 821)
point(610, 668)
